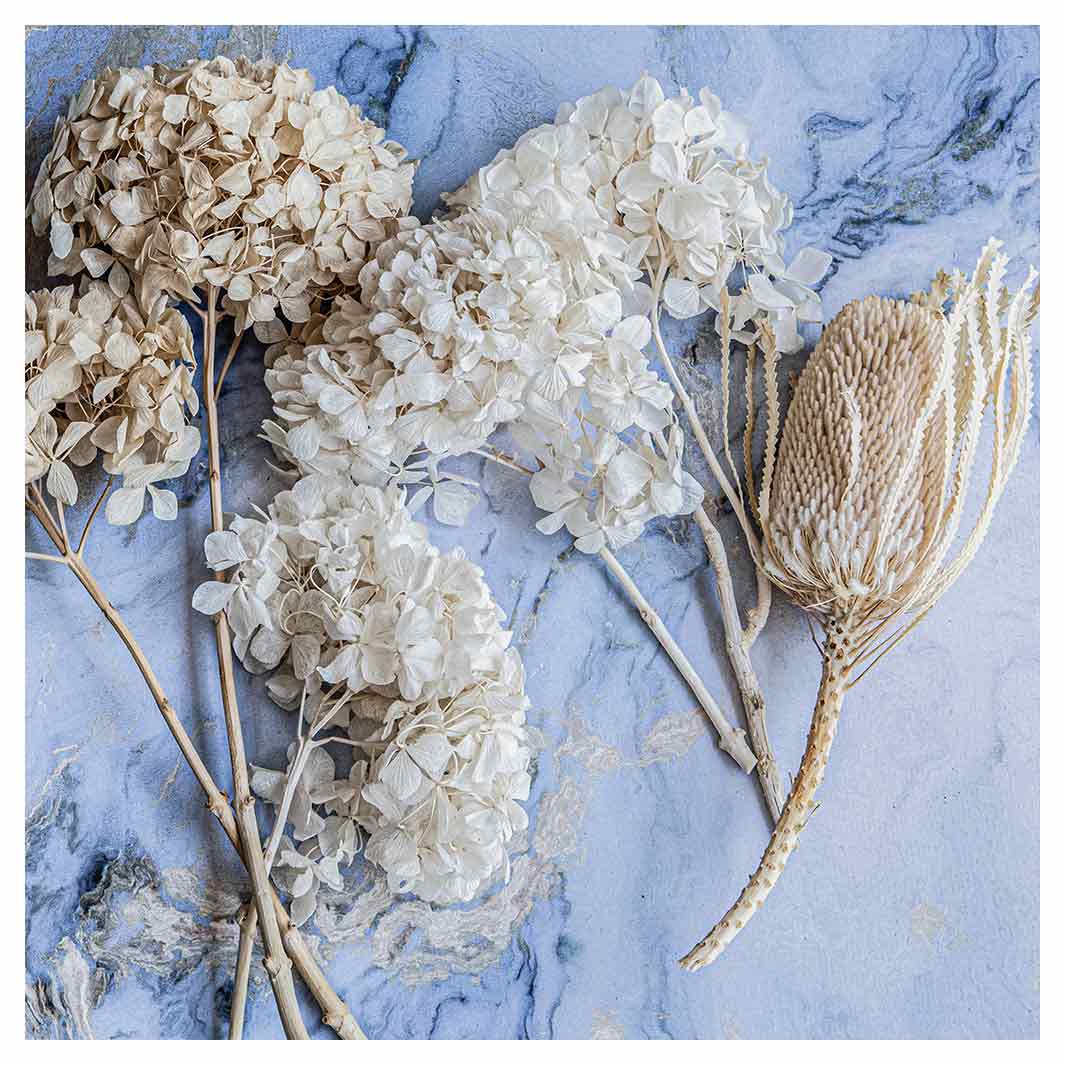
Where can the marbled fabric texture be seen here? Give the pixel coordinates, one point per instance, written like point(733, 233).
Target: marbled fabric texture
point(911, 909)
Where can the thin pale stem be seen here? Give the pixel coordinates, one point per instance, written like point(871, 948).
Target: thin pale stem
point(36, 506)
point(277, 963)
point(793, 820)
point(239, 1001)
point(732, 738)
point(230, 356)
point(504, 460)
point(299, 763)
point(60, 510)
point(696, 424)
point(738, 652)
point(92, 515)
point(42, 557)
point(334, 1012)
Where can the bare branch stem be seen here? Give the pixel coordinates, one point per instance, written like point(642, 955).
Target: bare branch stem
point(334, 1012)
point(732, 738)
point(43, 557)
point(738, 640)
point(230, 356)
point(92, 515)
point(277, 963)
point(247, 922)
point(697, 428)
point(738, 652)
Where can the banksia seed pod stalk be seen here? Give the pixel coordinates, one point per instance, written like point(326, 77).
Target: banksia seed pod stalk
point(867, 491)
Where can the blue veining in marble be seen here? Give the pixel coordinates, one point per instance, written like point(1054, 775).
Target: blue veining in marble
point(911, 909)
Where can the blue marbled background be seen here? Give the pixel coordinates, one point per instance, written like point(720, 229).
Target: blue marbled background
point(912, 907)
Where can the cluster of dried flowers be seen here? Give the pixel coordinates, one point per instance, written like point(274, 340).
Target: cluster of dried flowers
point(385, 644)
point(242, 177)
point(527, 306)
point(461, 326)
point(236, 181)
point(667, 186)
point(237, 175)
point(395, 344)
point(106, 376)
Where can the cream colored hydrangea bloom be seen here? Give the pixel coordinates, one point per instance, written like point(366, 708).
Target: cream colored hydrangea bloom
point(105, 376)
point(238, 175)
point(386, 644)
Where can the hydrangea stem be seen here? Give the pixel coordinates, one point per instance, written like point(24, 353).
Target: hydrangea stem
point(248, 921)
point(737, 648)
point(738, 640)
point(334, 1012)
point(732, 738)
point(277, 963)
point(699, 432)
point(796, 814)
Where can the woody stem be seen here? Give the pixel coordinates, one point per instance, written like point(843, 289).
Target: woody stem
point(277, 963)
point(334, 1012)
point(731, 738)
point(738, 651)
point(796, 814)
point(247, 921)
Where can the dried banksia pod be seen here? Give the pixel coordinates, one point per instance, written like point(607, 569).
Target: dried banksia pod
point(863, 503)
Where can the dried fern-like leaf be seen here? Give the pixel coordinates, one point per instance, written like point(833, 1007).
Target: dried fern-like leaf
point(772, 361)
point(724, 330)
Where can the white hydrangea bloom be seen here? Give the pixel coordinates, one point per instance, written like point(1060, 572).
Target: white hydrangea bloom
point(103, 375)
point(462, 325)
point(399, 650)
point(603, 488)
point(675, 193)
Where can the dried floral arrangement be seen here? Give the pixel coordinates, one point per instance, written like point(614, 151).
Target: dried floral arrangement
point(238, 189)
point(240, 192)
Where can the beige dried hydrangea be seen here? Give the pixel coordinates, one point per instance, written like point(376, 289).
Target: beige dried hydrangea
point(105, 376)
point(237, 175)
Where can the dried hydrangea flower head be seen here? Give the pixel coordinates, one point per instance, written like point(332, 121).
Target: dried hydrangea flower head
point(105, 376)
point(221, 173)
point(604, 488)
point(642, 183)
point(415, 362)
point(865, 499)
point(388, 645)
point(462, 326)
